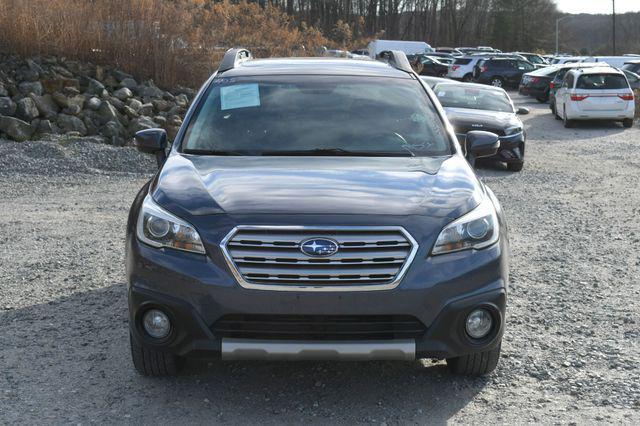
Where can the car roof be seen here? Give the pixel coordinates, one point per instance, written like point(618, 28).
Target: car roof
point(581, 65)
point(472, 85)
point(635, 61)
point(598, 70)
point(315, 66)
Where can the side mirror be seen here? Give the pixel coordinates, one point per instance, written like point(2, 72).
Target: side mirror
point(152, 141)
point(522, 111)
point(481, 144)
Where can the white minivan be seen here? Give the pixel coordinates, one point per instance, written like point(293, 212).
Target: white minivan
point(408, 47)
point(597, 93)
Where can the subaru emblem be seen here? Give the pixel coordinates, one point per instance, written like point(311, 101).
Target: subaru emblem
point(319, 247)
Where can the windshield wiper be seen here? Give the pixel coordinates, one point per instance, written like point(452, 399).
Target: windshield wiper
point(339, 152)
point(212, 152)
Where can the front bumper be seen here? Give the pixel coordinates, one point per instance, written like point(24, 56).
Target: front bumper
point(196, 292)
point(511, 148)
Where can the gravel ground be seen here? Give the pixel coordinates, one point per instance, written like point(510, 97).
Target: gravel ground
point(571, 349)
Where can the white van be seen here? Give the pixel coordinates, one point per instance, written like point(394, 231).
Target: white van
point(614, 61)
point(408, 47)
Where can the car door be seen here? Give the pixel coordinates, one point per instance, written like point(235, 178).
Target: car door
point(561, 92)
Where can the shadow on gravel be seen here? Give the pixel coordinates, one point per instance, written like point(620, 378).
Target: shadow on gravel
point(76, 349)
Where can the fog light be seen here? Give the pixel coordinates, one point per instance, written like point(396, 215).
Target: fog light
point(479, 323)
point(156, 323)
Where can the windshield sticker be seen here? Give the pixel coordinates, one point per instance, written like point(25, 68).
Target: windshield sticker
point(239, 96)
point(441, 94)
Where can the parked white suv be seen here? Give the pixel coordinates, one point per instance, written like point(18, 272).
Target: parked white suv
point(462, 68)
point(598, 93)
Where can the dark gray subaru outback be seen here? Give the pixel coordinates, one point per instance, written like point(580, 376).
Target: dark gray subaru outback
point(316, 209)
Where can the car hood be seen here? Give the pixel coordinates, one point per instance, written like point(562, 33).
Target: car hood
point(476, 119)
point(202, 185)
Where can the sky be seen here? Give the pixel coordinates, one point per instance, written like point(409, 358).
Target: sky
point(597, 6)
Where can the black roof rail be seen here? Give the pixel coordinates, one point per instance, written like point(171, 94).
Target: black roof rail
point(395, 58)
point(233, 58)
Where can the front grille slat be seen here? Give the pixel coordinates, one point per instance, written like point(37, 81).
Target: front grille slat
point(371, 256)
point(318, 327)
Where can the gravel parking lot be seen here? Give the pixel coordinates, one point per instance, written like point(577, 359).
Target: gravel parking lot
point(571, 351)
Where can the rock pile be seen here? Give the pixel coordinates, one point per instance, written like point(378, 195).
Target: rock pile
point(41, 96)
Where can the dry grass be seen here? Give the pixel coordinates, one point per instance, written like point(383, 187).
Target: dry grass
point(171, 41)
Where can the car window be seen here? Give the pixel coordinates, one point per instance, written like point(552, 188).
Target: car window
point(266, 115)
point(602, 82)
point(462, 61)
point(459, 96)
point(560, 75)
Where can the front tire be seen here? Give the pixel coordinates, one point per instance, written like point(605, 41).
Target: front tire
point(467, 78)
point(476, 364)
point(515, 167)
point(149, 362)
point(627, 122)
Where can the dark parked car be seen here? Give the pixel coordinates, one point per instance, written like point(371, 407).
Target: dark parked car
point(472, 107)
point(430, 65)
point(537, 60)
point(536, 83)
point(501, 72)
point(316, 209)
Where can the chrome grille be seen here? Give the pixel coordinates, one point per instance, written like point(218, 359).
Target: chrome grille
point(269, 257)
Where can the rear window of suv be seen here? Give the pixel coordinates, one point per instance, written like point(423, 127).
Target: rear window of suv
point(462, 61)
point(602, 82)
point(296, 115)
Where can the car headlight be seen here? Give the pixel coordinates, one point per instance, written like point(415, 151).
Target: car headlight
point(477, 229)
point(513, 130)
point(159, 228)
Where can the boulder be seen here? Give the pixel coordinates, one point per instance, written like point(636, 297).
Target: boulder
point(70, 123)
point(129, 112)
point(3, 91)
point(150, 91)
point(129, 83)
point(26, 109)
point(47, 107)
point(27, 74)
point(94, 87)
point(16, 129)
point(182, 100)
point(134, 104)
point(123, 93)
point(53, 85)
point(114, 132)
point(121, 76)
point(161, 105)
point(141, 123)
point(27, 87)
point(107, 113)
point(7, 106)
point(146, 109)
point(93, 103)
point(44, 127)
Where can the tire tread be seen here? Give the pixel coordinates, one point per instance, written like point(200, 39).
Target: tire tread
point(475, 364)
point(149, 362)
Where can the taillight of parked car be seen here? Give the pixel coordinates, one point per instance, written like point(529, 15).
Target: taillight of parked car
point(579, 97)
point(626, 96)
point(455, 67)
point(484, 68)
point(535, 80)
point(552, 85)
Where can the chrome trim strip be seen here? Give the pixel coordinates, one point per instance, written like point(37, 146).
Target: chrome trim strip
point(245, 349)
point(287, 287)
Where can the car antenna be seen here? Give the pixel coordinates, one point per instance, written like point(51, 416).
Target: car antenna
point(234, 57)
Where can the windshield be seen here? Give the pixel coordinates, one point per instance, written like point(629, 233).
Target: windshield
point(602, 82)
point(459, 96)
point(317, 115)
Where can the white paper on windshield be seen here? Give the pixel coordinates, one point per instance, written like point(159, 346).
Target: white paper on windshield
point(239, 96)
